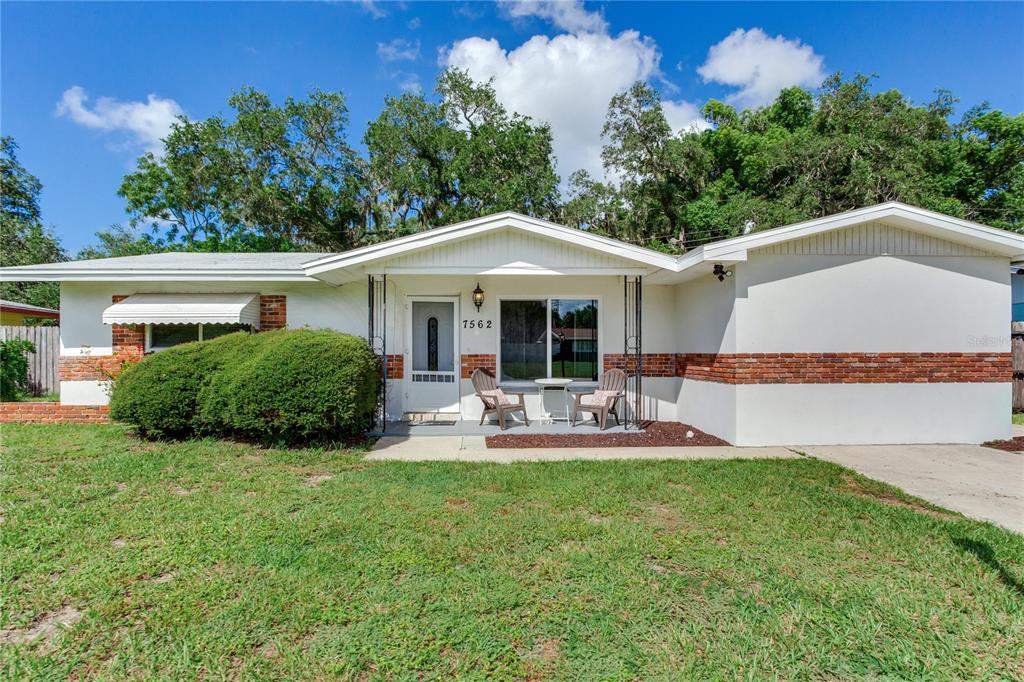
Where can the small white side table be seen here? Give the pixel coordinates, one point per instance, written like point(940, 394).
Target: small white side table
point(563, 385)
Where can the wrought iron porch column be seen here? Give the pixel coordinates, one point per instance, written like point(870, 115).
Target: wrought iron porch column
point(632, 310)
point(377, 337)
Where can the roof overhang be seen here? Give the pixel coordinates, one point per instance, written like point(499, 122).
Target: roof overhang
point(730, 251)
point(990, 239)
point(624, 259)
point(185, 309)
point(44, 273)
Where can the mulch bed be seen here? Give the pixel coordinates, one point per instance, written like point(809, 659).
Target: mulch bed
point(654, 434)
point(1012, 445)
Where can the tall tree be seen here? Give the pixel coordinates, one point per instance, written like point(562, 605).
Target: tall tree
point(807, 156)
point(274, 178)
point(658, 172)
point(24, 240)
point(120, 240)
point(437, 162)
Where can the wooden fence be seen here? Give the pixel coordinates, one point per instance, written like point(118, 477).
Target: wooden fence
point(42, 365)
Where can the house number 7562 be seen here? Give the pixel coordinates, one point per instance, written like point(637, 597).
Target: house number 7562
point(476, 324)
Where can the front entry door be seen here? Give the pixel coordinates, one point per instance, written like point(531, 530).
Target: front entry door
point(433, 384)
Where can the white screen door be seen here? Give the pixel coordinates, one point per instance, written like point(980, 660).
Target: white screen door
point(433, 379)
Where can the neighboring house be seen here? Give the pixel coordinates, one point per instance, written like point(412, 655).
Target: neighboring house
point(886, 324)
point(15, 314)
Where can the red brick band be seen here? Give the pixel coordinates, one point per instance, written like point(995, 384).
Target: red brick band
point(470, 362)
point(52, 413)
point(846, 368)
point(654, 364)
point(396, 366)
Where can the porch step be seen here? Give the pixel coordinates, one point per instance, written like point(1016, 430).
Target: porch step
point(429, 417)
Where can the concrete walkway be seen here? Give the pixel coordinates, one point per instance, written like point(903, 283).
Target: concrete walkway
point(982, 483)
point(473, 449)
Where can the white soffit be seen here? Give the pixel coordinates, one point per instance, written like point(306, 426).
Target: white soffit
point(185, 309)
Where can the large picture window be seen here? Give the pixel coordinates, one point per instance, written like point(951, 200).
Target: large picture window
point(554, 337)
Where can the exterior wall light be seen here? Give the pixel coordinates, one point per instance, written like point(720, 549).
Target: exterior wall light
point(720, 272)
point(478, 297)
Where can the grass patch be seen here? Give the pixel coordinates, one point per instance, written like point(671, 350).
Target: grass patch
point(205, 559)
point(48, 397)
point(1018, 417)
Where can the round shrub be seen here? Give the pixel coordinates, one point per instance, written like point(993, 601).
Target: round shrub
point(158, 395)
point(294, 386)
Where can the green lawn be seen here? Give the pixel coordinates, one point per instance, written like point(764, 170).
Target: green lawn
point(216, 561)
point(1018, 417)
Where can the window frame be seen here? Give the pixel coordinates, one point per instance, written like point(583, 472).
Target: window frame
point(548, 298)
point(150, 348)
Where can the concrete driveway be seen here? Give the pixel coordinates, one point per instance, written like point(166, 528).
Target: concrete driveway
point(978, 482)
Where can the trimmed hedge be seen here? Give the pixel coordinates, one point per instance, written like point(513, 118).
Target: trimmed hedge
point(159, 395)
point(304, 385)
point(278, 386)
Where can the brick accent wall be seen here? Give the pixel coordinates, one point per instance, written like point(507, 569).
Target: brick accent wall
point(128, 342)
point(470, 362)
point(52, 413)
point(93, 367)
point(846, 368)
point(654, 364)
point(273, 312)
point(396, 366)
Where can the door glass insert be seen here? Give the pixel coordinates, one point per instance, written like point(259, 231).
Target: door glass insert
point(432, 344)
point(433, 336)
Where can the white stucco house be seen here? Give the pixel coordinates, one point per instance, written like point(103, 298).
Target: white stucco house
point(887, 324)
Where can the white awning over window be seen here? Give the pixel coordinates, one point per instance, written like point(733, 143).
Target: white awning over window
point(185, 309)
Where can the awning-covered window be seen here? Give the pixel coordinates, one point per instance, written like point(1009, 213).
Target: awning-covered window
point(185, 309)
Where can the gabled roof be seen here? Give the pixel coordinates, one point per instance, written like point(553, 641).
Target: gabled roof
point(349, 265)
point(480, 226)
point(990, 239)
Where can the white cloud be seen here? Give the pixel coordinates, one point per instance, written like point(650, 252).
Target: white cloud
point(684, 117)
point(372, 8)
point(568, 15)
point(566, 81)
point(760, 66)
point(409, 82)
point(414, 23)
point(146, 122)
point(399, 49)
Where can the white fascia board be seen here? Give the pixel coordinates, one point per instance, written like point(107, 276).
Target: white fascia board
point(394, 246)
point(59, 275)
point(511, 269)
point(982, 237)
point(478, 226)
point(689, 265)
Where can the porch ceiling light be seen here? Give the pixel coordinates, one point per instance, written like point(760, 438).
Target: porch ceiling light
point(478, 297)
point(720, 272)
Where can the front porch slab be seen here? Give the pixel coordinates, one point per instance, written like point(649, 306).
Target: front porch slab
point(471, 427)
point(454, 448)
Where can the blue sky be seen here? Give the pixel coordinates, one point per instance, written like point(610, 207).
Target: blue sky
point(556, 61)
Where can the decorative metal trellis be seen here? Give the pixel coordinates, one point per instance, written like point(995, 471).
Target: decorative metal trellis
point(632, 290)
point(377, 337)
